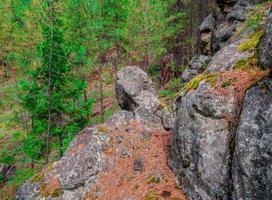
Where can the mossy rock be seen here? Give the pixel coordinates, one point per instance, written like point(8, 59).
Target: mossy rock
point(102, 129)
point(247, 63)
point(38, 177)
point(210, 78)
point(252, 42)
point(152, 195)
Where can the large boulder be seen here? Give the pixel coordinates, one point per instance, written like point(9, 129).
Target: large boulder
point(130, 84)
point(252, 165)
point(136, 94)
point(72, 176)
point(203, 133)
point(265, 47)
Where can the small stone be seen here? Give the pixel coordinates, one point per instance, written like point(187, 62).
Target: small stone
point(119, 139)
point(138, 164)
point(125, 153)
point(145, 135)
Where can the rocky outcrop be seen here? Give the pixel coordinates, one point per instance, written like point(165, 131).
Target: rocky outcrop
point(220, 147)
point(132, 87)
point(216, 37)
point(227, 57)
point(197, 65)
point(76, 173)
point(265, 47)
point(252, 165)
point(72, 176)
point(136, 93)
point(203, 133)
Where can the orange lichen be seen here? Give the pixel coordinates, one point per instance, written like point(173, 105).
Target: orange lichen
point(51, 188)
point(121, 181)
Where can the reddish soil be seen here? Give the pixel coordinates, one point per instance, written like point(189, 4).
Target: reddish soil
point(122, 182)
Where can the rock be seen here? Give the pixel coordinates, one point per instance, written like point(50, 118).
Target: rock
point(76, 171)
point(29, 192)
point(265, 47)
point(119, 139)
point(196, 66)
point(208, 24)
point(122, 117)
point(203, 133)
point(147, 100)
point(252, 165)
point(149, 119)
point(145, 135)
point(138, 164)
point(227, 57)
point(221, 35)
point(206, 29)
point(167, 118)
point(125, 153)
point(131, 81)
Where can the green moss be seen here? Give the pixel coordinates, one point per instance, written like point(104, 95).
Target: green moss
point(194, 83)
point(152, 195)
point(56, 193)
point(181, 173)
point(44, 193)
point(102, 129)
point(186, 163)
point(252, 42)
point(246, 63)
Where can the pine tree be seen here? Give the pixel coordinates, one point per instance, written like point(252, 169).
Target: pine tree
point(54, 95)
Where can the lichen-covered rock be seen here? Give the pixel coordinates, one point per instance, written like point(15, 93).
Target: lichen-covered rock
point(252, 166)
point(147, 100)
point(227, 57)
point(203, 134)
point(74, 173)
point(167, 118)
point(196, 66)
point(136, 94)
point(265, 47)
point(131, 81)
point(119, 118)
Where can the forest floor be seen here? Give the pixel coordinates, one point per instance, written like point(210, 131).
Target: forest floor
point(138, 166)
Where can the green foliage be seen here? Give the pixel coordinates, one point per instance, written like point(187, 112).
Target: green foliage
point(21, 175)
point(166, 93)
point(174, 84)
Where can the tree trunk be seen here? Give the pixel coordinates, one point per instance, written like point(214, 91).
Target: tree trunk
point(49, 89)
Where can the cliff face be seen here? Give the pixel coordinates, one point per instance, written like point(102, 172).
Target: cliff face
point(223, 127)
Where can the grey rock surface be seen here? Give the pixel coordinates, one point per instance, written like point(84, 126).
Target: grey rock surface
point(227, 57)
point(203, 133)
point(265, 47)
point(131, 81)
point(195, 67)
point(252, 165)
point(75, 172)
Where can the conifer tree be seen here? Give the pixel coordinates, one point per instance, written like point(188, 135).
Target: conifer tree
point(54, 94)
